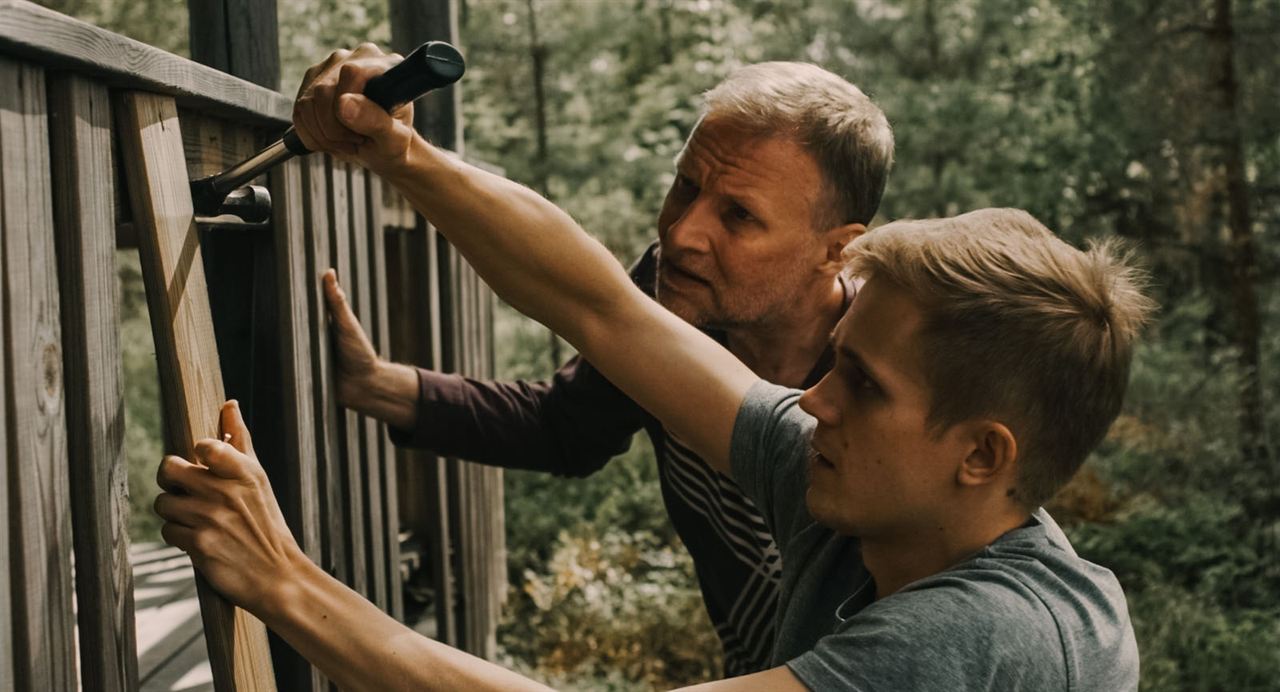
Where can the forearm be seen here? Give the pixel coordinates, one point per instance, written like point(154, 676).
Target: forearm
point(359, 647)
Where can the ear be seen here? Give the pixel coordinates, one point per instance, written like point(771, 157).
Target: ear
point(835, 238)
point(993, 457)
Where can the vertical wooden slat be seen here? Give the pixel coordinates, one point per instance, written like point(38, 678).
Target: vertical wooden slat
point(371, 482)
point(39, 515)
point(299, 493)
point(80, 120)
point(6, 464)
point(386, 463)
point(348, 428)
point(316, 179)
point(190, 376)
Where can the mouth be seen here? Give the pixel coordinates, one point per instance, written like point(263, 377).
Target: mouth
point(817, 460)
point(670, 273)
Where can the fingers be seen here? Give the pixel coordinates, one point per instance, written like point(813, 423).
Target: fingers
point(339, 309)
point(177, 475)
point(224, 460)
point(231, 422)
point(178, 536)
point(315, 113)
point(185, 510)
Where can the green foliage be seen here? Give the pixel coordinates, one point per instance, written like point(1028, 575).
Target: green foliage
point(1101, 118)
point(617, 606)
point(143, 430)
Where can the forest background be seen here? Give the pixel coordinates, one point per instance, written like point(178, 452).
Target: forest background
point(1157, 121)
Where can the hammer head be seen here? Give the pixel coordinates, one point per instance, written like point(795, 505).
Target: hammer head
point(251, 203)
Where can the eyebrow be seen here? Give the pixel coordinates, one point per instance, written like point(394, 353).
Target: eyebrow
point(850, 354)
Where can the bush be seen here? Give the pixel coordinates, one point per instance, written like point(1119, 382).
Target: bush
point(616, 607)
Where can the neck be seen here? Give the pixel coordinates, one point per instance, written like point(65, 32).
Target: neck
point(783, 348)
point(900, 559)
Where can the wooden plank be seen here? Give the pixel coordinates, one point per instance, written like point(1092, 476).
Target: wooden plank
point(81, 147)
point(386, 466)
point(55, 40)
point(8, 464)
point(348, 428)
point(239, 37)
point(39, 515)
point(316, 181)
point(299, 491)
point(190, 377)
point(371, 477)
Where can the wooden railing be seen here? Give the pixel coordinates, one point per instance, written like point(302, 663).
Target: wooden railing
point(67, 201)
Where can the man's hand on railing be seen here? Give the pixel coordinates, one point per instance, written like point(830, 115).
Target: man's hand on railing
point(219, 508)
point(332, 115)
point(367, 383)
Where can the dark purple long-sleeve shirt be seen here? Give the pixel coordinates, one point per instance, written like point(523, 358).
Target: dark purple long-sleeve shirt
point(572, 426)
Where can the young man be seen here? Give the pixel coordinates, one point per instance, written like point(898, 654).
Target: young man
point(977, 368)
point(785, 168)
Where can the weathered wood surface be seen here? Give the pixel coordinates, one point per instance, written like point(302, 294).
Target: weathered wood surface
point(58, 41)
point(39, 512)
point(239, 37)
point(386, 468)
point(80, 123)
point(371, 485)
point(6, 604)
point(190, 378)
point(296, 484)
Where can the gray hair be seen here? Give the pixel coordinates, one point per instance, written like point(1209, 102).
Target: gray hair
point(838, 124)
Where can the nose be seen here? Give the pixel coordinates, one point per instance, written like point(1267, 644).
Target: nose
point(817, 402)
point(691, 228)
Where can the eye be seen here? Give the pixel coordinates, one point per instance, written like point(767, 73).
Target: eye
point(738, 213)
point(684, 184)
point(861, 382)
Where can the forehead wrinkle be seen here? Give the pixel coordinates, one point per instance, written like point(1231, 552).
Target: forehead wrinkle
point(735, 173)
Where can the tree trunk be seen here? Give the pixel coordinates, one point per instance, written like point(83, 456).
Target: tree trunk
point(1243, 269)
point(537, 62)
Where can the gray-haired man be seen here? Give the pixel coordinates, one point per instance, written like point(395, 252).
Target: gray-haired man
point(786, 166)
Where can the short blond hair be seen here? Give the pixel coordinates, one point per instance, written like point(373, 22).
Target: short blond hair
point(832, 119)
point(1018, 326)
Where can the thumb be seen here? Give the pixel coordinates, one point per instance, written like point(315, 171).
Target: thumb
point(231, 423)
point(363, 116)
point(339, 308)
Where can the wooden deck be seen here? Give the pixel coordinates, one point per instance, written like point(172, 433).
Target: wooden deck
point(171, 647)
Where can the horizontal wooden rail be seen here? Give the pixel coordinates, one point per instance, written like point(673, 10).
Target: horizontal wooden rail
point(55, 40)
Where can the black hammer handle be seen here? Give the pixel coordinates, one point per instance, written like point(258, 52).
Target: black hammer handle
point(430, 66)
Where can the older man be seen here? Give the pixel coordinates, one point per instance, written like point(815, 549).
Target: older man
point(981, 364)
point(785, 167)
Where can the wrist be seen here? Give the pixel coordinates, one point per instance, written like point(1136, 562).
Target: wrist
point(285, 596)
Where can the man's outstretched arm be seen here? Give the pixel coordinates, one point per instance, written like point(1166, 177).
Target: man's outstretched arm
point(569, 426)
point(223, 513)
point(536, 257)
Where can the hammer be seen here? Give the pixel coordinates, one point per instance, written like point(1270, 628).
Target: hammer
point(431, 65)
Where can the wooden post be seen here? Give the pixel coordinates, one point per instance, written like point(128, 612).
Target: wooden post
point(39, 515)
point(190, 376)
point(239, 37)
point(471, 496)
point(84, 197)
point(300, 490)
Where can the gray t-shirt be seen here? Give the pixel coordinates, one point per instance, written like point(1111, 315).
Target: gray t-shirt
point(1024, 613)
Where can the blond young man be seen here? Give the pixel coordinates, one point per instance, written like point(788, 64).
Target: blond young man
point(979, 365)
point(787, 166)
